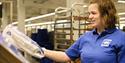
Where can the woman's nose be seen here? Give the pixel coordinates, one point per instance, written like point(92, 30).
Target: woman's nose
point(90, 16)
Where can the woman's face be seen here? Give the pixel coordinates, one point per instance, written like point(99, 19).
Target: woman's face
point(94, 16)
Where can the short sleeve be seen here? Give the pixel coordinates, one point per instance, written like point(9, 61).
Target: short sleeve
point(73, 51)
point(121, 54)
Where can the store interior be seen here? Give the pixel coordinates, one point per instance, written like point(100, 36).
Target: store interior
point(53, 24)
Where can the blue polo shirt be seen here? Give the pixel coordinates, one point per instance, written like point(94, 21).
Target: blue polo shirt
point(107, 47)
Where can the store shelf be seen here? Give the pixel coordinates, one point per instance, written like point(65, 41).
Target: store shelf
point(63, 33)
point(63, 18)
point(62, 30)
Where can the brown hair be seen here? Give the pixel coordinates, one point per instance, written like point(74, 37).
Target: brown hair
point(107, 12)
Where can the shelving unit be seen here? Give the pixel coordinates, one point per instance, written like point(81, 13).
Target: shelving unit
point(83, 25)
point(63, 30)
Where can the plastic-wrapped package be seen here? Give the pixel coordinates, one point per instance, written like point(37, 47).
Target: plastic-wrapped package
point(21, 41)
point(10, 53)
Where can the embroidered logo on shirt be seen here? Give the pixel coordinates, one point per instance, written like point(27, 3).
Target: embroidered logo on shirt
point(106, 42)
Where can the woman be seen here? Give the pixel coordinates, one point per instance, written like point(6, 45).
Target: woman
point(104, 44)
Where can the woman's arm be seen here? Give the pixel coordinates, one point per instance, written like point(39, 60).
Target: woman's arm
point(58, 56)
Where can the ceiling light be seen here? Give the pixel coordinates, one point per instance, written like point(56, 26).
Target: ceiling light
point(52, 22)
point(42, 16)
point(122, 13)
point(0, 3)
point(121, 1)
point(85, 6)
point(123, 18)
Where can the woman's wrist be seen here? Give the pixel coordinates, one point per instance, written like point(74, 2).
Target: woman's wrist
point(43, 50)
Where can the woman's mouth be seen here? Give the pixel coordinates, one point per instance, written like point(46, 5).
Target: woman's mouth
point(91, 21)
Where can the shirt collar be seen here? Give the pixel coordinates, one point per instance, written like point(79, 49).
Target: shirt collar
point(107, 31)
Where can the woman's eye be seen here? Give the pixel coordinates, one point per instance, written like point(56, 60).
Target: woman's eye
point(93, 12)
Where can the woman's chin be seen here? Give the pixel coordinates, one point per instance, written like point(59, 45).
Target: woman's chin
point(91, 26)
